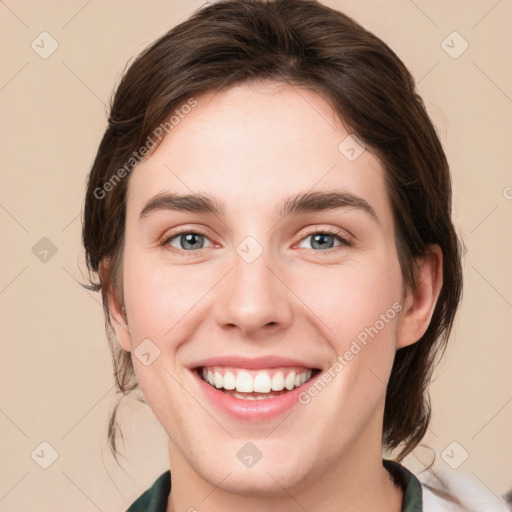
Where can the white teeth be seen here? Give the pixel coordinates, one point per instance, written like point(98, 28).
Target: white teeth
point(218, 380)
point(262, 381)
point(229, 381)
point(244, 396)
point(244, 382)
point(278, 382)
point(289, 382)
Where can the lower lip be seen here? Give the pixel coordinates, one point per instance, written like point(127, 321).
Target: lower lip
point(252, 410)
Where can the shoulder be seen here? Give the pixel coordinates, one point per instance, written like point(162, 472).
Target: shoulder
point(155, 498)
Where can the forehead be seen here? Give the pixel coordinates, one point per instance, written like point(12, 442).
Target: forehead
point(253, 144)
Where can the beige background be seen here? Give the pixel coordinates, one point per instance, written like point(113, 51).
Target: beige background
point(55, 365)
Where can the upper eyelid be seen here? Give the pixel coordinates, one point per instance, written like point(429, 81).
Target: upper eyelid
point(332, 231)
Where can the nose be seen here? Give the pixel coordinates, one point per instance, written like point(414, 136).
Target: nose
point(253, 298)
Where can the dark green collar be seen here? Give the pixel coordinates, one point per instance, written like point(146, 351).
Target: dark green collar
point(155, 498)
point(412, 500)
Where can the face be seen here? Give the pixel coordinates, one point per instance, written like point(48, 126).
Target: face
point(265, 309)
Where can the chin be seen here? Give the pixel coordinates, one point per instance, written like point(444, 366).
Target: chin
point(281, 468)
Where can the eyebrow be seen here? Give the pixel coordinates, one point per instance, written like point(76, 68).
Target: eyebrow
point(305, 202)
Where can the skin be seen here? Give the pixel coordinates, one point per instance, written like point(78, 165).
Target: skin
point(250, 146)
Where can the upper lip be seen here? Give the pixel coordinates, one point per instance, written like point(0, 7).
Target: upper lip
point(255, 363)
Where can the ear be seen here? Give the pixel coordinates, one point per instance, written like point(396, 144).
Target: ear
point(419, 303)
point(116, 309)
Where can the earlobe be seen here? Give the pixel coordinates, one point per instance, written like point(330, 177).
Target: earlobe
point(419, 304)
point(116, 309)
point(118, 321)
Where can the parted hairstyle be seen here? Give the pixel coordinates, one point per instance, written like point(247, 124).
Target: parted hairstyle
point(308, 45)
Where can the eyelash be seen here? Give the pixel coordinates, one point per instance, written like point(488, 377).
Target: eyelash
point(344, 241)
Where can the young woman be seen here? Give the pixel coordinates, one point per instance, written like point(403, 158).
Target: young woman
point(269, 219)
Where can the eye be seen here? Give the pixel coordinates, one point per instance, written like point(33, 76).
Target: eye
point(325, 240)
point(186, 241)
point(189, 241)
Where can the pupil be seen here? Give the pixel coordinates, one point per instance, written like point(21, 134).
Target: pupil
point(191, 239)
point(320, 239)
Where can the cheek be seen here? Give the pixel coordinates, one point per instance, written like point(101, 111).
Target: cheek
point(352, 298)
point(161, 302)
point(159, 298)
point(359, 306)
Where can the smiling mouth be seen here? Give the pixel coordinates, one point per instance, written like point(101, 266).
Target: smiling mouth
point(248, 384)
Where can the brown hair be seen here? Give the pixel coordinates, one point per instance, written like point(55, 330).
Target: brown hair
point(303, 43)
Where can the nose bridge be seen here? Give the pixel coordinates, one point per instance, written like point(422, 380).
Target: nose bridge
point(252, 297)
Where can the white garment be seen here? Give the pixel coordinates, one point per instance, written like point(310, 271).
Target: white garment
point(472, 494)
point(434, 503)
